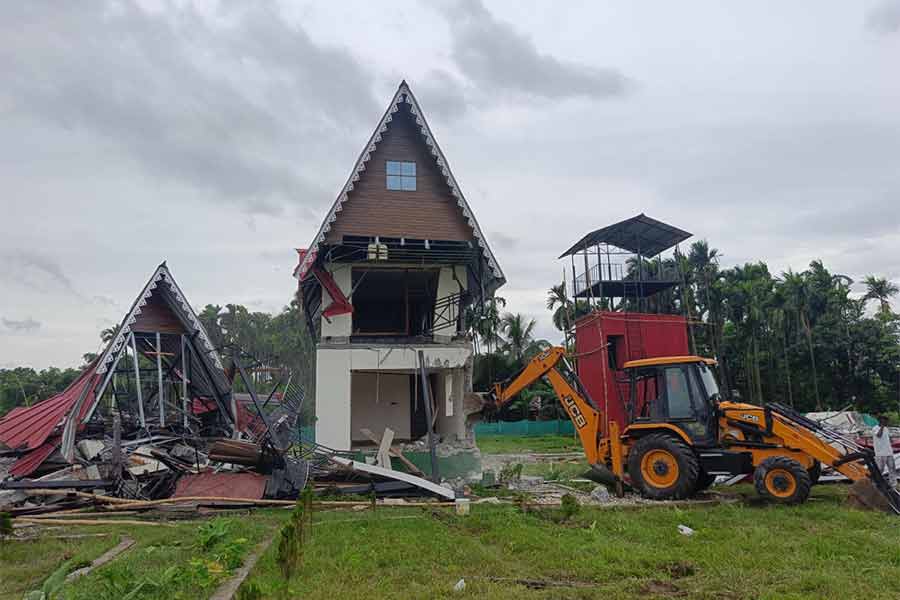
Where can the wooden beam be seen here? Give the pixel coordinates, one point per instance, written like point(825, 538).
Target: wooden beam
point(395, 453)
point(384, 458)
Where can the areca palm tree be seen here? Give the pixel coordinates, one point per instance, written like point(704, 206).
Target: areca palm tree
point(518, 332)
point(109, 333)
point(882, 290)
point(485, 322)
point(796, 292)
point(559, 303)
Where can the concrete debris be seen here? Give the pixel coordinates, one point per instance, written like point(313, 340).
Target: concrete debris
point(90, 449)
point(685, 530)
point(600, 494)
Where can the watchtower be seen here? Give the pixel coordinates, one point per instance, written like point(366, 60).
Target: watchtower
point(626, 304)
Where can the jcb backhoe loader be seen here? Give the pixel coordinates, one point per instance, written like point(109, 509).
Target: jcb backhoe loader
point(680, 434)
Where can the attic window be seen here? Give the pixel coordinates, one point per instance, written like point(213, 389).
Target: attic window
point(401, 175)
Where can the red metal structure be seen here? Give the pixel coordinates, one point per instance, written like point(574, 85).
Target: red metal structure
point(605, 341)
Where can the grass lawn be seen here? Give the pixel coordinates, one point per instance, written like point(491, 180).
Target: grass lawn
point(746, 550)
point(749, 550)
point(513, 444)
point(187, 560)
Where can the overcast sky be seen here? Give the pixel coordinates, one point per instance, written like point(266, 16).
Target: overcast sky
point(215, 136)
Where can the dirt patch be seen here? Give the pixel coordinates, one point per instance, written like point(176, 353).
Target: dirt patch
point(679, 569)
point(662, 589)
point(538, 584)
point(864, 495)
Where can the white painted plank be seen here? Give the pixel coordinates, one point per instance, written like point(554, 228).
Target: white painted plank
point(398, 475)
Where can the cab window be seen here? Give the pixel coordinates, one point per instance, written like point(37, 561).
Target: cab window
point(678, 393)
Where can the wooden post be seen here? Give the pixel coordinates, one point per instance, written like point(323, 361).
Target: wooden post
point(426, 398)
point(137, 381)
point(159, 377)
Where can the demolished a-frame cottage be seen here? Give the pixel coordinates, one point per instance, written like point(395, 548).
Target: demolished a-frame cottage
point(389, 275)
point(155, 372)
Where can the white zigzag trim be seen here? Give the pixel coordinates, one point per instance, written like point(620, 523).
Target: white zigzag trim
point(404, 94)
point(117, 343)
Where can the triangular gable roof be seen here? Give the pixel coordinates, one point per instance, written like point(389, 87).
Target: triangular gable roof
point(174, 297)
point(403, 94)
point(31, 429)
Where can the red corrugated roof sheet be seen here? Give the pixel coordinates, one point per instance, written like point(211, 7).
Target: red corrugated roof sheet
point(28, 428)
point(251, 486)
point(29, 463)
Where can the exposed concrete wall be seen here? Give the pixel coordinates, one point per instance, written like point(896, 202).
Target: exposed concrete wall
point(333, 398)
point(379, 400)
point(343, 407)
point(451, 420)
point(340, 325)
point(447, 286)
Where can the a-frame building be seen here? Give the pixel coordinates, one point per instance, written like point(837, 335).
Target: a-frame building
point(159, 364)
point(391, 271)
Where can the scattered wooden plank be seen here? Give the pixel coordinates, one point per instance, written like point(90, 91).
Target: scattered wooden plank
point(395, 452)
point(398, 475)
point(387, 438)
point(35, 521)
point(229, 589)
point(104, 558)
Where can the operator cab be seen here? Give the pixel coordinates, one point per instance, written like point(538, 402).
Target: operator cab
point(680, 390)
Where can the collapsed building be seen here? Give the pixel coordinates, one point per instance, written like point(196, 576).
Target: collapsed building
point(386, 283)
point(138, 419)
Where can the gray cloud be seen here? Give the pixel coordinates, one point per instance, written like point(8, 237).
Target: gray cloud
point(494, 55)
point(502, 240)
point(27, 325)
point(442, 94)
point(217, 104)
point(35, 271)
point(884, 18)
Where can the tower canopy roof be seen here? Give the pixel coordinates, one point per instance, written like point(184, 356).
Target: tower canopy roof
point(640, 235)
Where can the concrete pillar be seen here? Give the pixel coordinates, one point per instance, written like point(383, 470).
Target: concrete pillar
point(333, 398)
point(451, 421)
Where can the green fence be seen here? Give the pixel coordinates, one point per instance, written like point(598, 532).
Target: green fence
point(557, 427)
point(561, 427)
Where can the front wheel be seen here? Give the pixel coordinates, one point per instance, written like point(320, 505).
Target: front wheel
point(782, 480)
point(663, 467)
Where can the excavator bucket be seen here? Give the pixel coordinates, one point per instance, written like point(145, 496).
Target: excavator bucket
point(853, 451)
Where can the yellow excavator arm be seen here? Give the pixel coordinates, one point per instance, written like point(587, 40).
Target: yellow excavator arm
point(585, 416)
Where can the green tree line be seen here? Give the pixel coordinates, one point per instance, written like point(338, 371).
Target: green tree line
point(798, 337)
point(273, 341)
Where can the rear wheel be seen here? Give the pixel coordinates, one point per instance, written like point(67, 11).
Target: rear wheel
point(662, 467)
point(782, 480)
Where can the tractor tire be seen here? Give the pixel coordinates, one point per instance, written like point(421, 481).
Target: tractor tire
point(783, 480)
point(663, 467)
point(704, 480)
point(815, 472)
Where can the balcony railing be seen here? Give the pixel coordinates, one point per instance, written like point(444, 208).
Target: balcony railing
point(621, 273)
